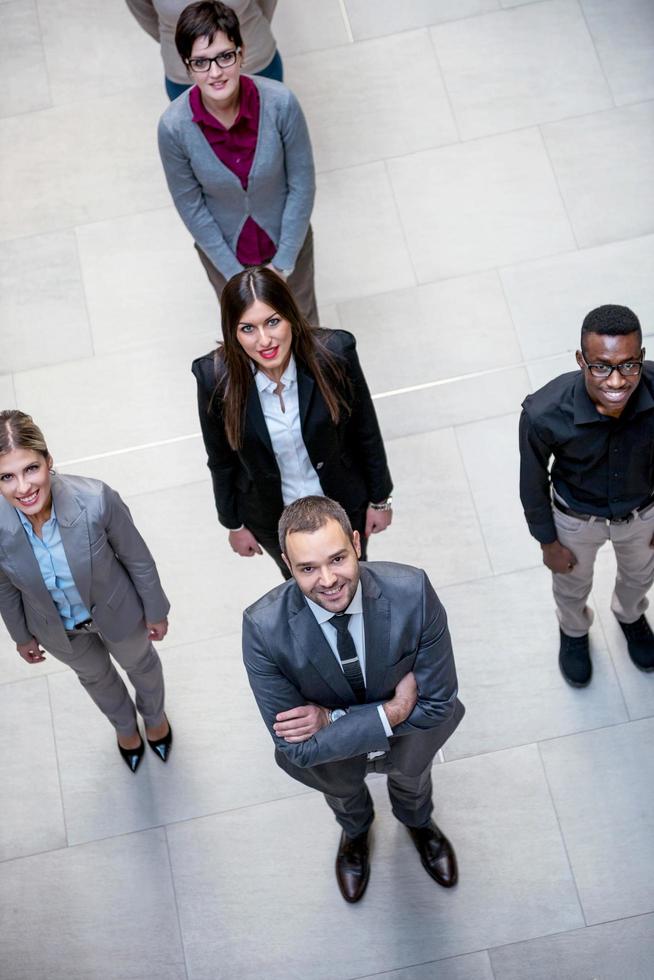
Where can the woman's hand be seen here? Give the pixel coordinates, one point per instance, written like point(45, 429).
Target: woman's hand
point(157, 631)
point(377, 520)
point(244, 543)
point(31, 652)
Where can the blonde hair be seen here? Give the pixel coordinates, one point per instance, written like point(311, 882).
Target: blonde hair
point(20, 431)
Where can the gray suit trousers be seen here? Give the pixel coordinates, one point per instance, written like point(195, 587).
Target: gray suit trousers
point(90, 655)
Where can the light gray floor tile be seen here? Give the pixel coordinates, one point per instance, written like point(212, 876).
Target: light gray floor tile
point(14, 668)
point(624, 38)
point(514, 880)
point(612, 951)
point(42, 303)
point(549, 298)
point(32, 817)
point(106, 911)
point(608, 192)
point(7, 394)
point(164, 291)
point(517, 3)
point(404, 107)
point(359, 243)
point(602, 785)
point(308, 25)
point(147, 394)
point(489, 202)
point(118, 173)
point(540, 372)
point(23, 76)
point(490, 455)
point(637, 686)
point(441, 330)
point(222, 756)
point(488, 67)
point(506, 643)
point(473, 966)
point(90, 63)
point(370, 18)
point(434, 523)
point(452, 402)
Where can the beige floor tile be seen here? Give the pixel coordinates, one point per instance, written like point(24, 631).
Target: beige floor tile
point(370, 18)
point(474, 206)
point(624, 38)
point(7, 394)
point(42, 302)
point(374, 100)
point(308, 25)
point(359, 243)
point(23, 77)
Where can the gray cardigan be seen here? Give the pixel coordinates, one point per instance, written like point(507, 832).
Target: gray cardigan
point(209, 197)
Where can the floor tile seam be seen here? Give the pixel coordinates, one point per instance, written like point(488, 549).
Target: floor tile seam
point(83, 284)
point(600, 622)
point(346, 21)
point(567, 932)
point(473, 501)
point(564, 843)
point(441, 75)
point(509, 310)
point(37, 14)
point(410, 966)
point(403, 231)
point(73, 226)
point(173, 886)
point(609, 87)
point(557, 184)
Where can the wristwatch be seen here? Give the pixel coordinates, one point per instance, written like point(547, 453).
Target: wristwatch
point(384, 505)
point(336, 713)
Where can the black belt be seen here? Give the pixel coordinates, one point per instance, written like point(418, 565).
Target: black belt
point(595, 517)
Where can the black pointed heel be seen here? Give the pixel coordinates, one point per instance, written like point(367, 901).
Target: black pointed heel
point(161, 746)
point(132, 757)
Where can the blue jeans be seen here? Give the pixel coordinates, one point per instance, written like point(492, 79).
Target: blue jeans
point(275, 70)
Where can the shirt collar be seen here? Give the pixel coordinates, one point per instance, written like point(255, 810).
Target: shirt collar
point(26, 524)
point(247, 109)
point(324, 615)
point(585, 410)
point(264, 383)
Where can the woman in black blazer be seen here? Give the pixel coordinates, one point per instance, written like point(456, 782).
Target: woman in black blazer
point(285, 412)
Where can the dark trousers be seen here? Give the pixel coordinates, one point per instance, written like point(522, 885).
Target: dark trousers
point(300, 282)
point(410, 796)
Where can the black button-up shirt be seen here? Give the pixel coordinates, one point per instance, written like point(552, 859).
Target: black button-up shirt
point(602, 465)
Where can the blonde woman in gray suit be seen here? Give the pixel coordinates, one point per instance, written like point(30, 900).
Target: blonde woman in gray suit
point(77, 579)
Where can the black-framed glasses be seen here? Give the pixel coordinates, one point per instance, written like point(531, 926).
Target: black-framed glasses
point(224, 60)
point(628, 369)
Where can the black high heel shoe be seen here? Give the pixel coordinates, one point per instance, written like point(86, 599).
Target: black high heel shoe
point(161, 746)
point(132, 757)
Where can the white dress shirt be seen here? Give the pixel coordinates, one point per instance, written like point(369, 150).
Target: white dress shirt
point(357, 632)
point(299, 478)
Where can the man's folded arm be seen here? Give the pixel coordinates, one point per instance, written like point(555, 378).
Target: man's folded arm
point(358, 732)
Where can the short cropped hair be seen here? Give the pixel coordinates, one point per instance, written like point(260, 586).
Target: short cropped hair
point(612, 321)
point(310, 514)
point(205, 19)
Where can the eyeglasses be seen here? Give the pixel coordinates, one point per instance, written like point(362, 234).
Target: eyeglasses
point(628, 369)
point(224, 60)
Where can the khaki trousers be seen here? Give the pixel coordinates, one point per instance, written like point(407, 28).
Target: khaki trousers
point(89, 656)
point(300, 281)
point(635, 575)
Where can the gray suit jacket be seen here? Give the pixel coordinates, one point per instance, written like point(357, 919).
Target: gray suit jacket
point(110, 563)
point(290, 663)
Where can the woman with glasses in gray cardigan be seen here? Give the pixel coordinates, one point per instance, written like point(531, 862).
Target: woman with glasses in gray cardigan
point(238, 160)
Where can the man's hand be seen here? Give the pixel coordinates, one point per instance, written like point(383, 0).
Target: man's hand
point(244, 543)
point(377, 520)
point(558, 558)
point(157, 631)
point(31, 652)
point(403, 701)
point(299, 724)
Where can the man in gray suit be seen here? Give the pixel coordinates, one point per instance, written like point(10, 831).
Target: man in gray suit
point(352, 669)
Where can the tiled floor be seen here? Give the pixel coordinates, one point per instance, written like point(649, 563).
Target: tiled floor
point(485, 177)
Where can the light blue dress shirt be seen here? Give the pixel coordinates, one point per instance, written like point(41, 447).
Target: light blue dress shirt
point(356, 631)
point(49, 553)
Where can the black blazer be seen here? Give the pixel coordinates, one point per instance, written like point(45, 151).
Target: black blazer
point(349, 458)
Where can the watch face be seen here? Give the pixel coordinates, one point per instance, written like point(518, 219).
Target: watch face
point(338, 713)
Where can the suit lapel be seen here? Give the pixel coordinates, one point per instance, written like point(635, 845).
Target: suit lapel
point(254, 417)
point(305, 389)
point(74, 530)
point(377, 630)
point(315, 648)
point(21, 557)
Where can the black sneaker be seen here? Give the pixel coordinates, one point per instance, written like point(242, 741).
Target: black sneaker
point(640, 643)
point(574, 659)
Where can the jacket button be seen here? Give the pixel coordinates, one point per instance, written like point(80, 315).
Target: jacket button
point(319, 466)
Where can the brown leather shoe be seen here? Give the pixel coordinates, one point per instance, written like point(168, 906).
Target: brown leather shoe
point(352, 866)
point(436, 853)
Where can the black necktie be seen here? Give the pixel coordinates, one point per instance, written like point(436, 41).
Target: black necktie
point(347, 653)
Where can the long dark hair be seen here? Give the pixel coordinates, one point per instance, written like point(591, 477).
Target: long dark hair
point(234, 368)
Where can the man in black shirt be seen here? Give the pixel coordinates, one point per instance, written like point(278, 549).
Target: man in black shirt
point(598, 426)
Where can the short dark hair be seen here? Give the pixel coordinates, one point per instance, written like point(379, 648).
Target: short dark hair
point(310, 514)
point(612, 321)
point(205, 19)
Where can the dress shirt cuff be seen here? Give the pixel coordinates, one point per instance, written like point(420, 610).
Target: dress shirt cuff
point(544, 532)
point(232, 529)
point(384, 720)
